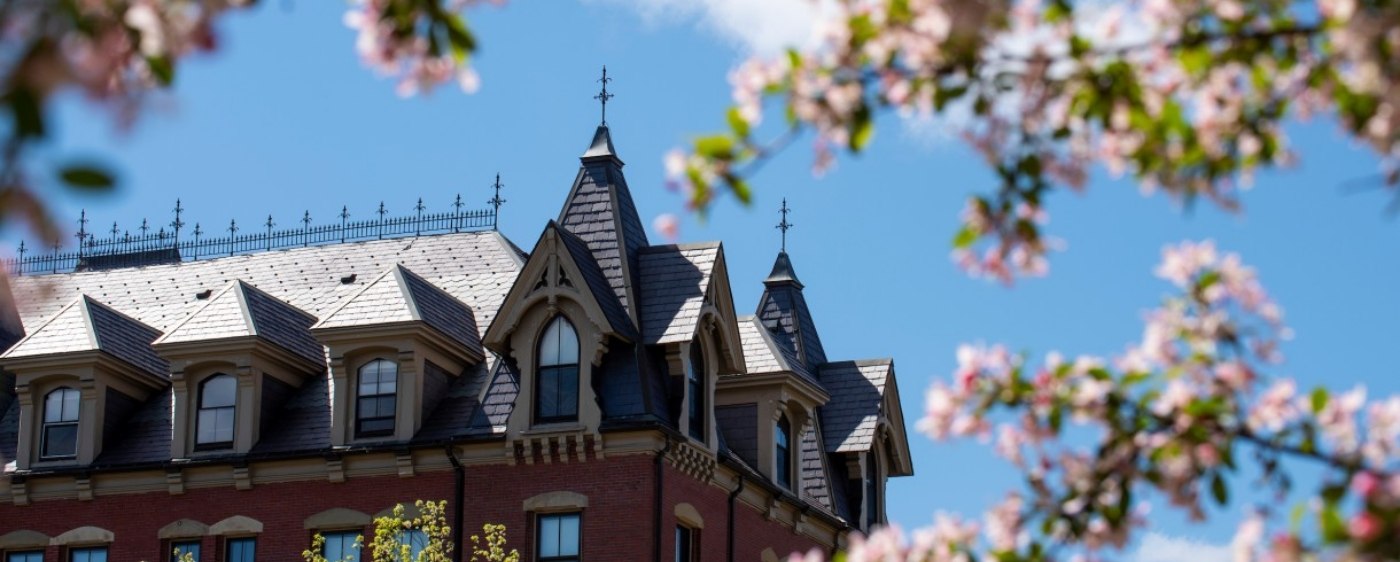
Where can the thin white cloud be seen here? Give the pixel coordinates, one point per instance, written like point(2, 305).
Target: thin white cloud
point(761, 27)
point(1156, 547)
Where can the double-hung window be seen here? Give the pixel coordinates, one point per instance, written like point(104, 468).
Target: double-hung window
point(378, 394)
point(687, 545)
point(30, 556)
point(242, 549)
point(556, 380)
point(181, 550)
point(60, 429)
point(558, 537)
point(341, 546)
point(216, 413)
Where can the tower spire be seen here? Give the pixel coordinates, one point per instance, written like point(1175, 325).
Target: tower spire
point(604, 96)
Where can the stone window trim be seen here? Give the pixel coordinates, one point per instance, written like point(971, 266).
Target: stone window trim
point(687, 515)
point(23, 539)
point(182, 529)
point(32, 395)
point(338, 519)
point(83, 537)
point(236, 526)
point(555, 502)
point(769, 555)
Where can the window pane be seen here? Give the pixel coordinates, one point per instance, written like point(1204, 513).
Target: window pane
point(35, 556)
point(683, 547)
point(97, 554)
point(218, 392)
point(60, 440)
point(547, 395)
point(242, 550)
point(341, 546)
point(568, 391)
point(549, 536)
point(61, 405)
point(180, 549)
point(568, 535)
point(416, 540)
point(559, 344)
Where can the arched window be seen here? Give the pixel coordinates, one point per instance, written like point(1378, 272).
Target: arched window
point(378, 394)
point(783, 454)
point(556, 383)
point(695, 383)
point(214, 428)
point(60, 429)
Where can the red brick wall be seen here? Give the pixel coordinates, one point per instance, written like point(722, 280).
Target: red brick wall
point(617, 525)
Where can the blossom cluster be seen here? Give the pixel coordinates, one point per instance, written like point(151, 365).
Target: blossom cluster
point(1175, 414)
point(423, 44)
point(1187, 96)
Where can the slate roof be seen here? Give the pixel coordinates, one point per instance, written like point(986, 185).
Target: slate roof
point(857, 389)
point(88, 325)
point(812, 471)
point(476, 268)
point(674, 280)
point(597, 282)
point(241, 310)
point(600, 210)
point(400, 295)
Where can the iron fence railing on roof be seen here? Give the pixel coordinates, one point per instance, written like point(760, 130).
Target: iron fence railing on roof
point(123, 249)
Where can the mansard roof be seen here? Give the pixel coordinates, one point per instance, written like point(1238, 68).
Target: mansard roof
point(674, 281)
point(400, 295)
point(600, 211)
point(241, 310)
point(88, 325)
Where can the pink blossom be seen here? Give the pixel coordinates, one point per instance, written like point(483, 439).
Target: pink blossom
point(1275, 408)
point(1365, 526)
point(667, 225)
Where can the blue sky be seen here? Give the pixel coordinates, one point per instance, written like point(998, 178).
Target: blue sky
point(284, 119)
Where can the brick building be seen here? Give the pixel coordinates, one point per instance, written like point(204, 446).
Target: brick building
point(601, 396)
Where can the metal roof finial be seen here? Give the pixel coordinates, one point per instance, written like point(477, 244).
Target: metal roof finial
point(82, 229)
point(604, 96)
point(177, 224)
point(496, 201)
point(115, 231)
point(784, 225)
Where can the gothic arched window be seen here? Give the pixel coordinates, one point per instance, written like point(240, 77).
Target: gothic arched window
point(214, 425)
point(556, 379)
point(695, 383)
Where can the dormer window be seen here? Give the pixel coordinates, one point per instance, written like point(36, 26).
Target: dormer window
point(556, 383)
point(378, 393)
point(216, 412)
point(60, 424)
point(782, 457)
point(695, 383)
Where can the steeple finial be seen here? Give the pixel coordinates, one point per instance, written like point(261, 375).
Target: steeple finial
point(496, 203)
point(604, 96)
point(784, 225)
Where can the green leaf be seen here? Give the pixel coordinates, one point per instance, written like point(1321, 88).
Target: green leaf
point(863, 129)
point(965, 237)
point(717, 147)
point(87, 177)
point(740, 188)
point(463, 43)
point(1319, 399)
point(1079, 46)
point(162, 68)
point(1218, 489)
point(1059, 10)
point(1333, 529)
point(737, 123)
point(1195, 60)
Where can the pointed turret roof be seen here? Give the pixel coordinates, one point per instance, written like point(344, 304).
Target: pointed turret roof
point(600, 211)
point(783, 311)
point(88, 325)
point(400, 295)
point(241, 310)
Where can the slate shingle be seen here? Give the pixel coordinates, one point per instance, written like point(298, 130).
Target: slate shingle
point(88, 325)
point(857, 389)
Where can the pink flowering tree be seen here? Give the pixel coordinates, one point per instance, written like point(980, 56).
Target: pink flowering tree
point(1180, 414)
point(117, 52)
point(1188, 97)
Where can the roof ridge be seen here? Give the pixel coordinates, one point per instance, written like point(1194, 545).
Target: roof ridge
point(400, 272)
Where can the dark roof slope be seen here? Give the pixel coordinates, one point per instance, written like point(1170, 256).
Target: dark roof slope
point(597, 282)
point(599, 209)
point(674, 279)
point(857, 389)
point(400, 295)
point(241, 310)
point(88, 325)
point(784, 312)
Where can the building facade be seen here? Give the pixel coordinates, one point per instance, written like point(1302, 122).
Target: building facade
point(600, 396)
